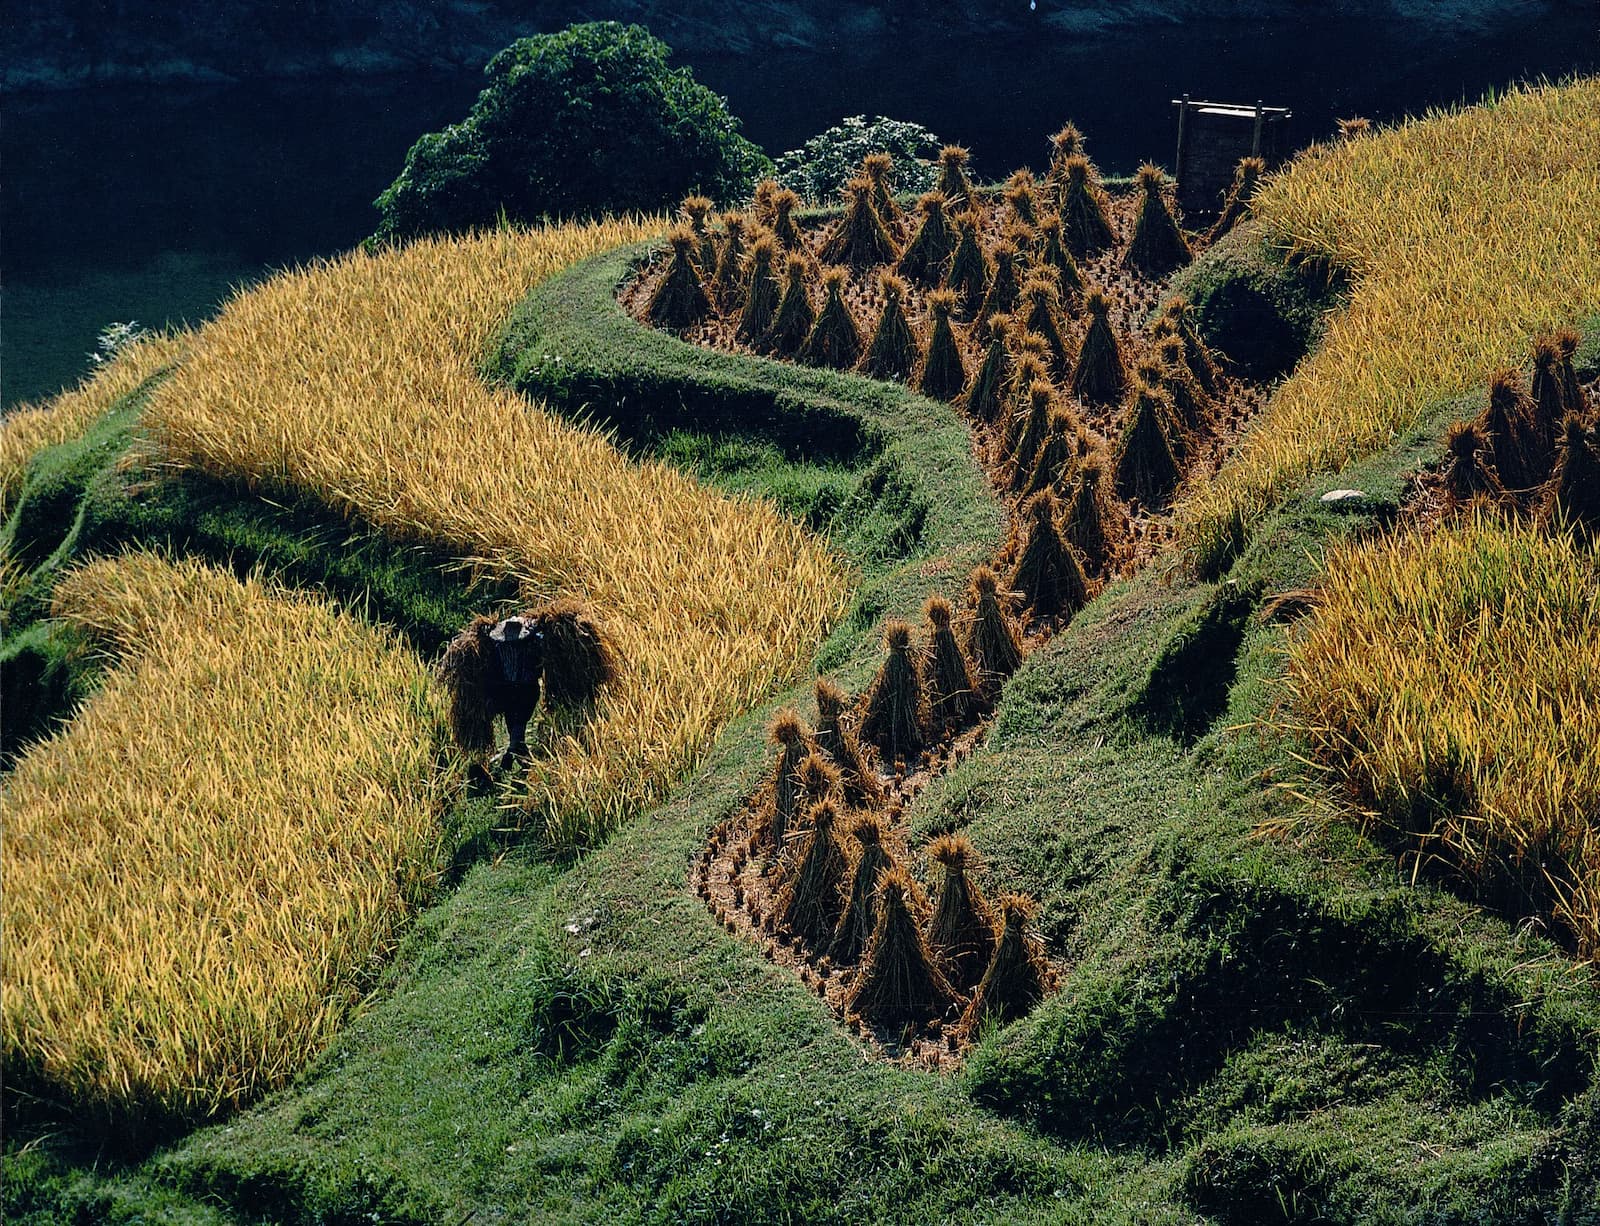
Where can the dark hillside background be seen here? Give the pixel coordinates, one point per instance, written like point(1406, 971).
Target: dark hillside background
point(55, 43)
point(156, 156)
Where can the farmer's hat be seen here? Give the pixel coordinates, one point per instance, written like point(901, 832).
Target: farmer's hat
point(511, 630)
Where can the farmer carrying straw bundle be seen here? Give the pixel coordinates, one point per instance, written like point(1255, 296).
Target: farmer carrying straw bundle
point(498, 668)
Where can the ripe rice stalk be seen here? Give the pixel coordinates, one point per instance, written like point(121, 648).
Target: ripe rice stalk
point(27, 429)
point(819, 779)
point(859, 238)
point(944, 375)
point(1436, 223)
point(204, 867)
point(1064, 146)
point(962, 932)
point(834, 340)
point(994, 644)
point(1004, 288)
point(899, 981)
point(1048, 573)
point(1040, 313)
point(1189, 399)
point(1469, 472)
point(1031, 432)
point(581, 656)
point(1180, 316)
point(1150, 373)
point(1571, 497)
point(878, 170)
point(1053, 253)
point(1572, 397)
point(761, 292)
point(783, 223)
point(1018, 976)
point(1508, 424)
point(1158, 246)
point(696, 213)
point(463, 673)
point(860, 917)
point(894, 352)
point(1556, 391)
point(1085, 226)
point(1099, 375)
point(1247, 176)
point(812, 901)
point(927, 255)
point(954, 185)
point(953, 699)
point(729, 279)
point(1064, 443)
point(1146, 467)
point(894, 718)
point(1451, 682)
point(796, 316)
point(1092, 522)
point(795, 746)
point(680, 299)
point(1020, 199)
point(838, 741)
point(763, 207)
point(969, 267)
point(984, 397)
point(355, 382)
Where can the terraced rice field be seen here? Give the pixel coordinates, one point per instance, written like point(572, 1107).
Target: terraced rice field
point(1464, 234)
point(206, 867)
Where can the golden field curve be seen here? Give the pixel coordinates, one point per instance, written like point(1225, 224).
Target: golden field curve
point(1453, 681)
point(355, 382)
point(1464, 234)
point(205, 868)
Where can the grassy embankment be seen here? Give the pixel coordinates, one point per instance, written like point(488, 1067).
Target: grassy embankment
point(31, 428)
point(1249, 1030)
point(1462, 236)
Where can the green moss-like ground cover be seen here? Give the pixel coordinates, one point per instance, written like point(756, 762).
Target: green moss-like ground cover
point(1247, 1030)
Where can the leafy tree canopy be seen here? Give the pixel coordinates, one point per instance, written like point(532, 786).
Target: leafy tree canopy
point(820, 168)
point(585, 121)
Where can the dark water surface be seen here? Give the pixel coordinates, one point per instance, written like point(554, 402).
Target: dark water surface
point(153, 204)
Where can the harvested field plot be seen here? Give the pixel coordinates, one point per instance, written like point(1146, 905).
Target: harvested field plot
point(1037, 309)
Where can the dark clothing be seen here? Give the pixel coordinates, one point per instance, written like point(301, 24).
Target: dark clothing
point(513, 680)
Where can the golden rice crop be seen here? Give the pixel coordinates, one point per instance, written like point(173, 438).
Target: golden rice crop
point(29, 428)
point(1454, 681)
point(1465, 233)
point(354, 381)
point(205, 866)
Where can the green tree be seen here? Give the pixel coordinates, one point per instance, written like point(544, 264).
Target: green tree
point(585, 121)
point(820, 168)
